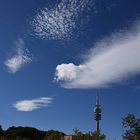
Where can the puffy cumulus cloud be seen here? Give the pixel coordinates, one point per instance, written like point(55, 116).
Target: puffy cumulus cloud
point(19, 59)
point(30, 105)
point(112, 60)
point(67, 71)
point(60, 21)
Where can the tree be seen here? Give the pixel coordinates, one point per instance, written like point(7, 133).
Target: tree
point(97, 136)
point(131, 126)
point(18, 133)
point(78, 134)
point(88, 136)
point(76, 131)
point(53, 135)
point(1, 131)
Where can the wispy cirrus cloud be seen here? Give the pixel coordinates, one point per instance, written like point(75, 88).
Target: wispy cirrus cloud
point(30, 105)
point(111, 60)
point(63, 19)
point(20, 57)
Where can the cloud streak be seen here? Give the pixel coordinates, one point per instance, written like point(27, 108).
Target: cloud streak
point(19, 59)
point(34, 104)
point(111, 60)
point(63, 19)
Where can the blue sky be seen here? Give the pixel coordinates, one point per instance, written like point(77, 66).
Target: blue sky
point(54, 54)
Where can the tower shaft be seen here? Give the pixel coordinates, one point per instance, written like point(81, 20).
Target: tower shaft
point(97, 127)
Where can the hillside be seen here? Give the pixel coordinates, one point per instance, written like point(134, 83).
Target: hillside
point(29, 133)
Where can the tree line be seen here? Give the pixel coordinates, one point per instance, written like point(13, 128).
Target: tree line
point(29, 133)
point(131, 131)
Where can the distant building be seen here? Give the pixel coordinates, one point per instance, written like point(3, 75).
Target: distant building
point(73, 137)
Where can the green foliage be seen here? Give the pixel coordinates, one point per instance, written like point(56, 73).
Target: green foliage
point(97, 136)
point(131, 126)
point(76, 131)
point(29, 133)
point(1, 131)
point(88, 136)
point(24, 132)
point(53, 135)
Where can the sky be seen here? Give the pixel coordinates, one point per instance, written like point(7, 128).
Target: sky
point(55, 54)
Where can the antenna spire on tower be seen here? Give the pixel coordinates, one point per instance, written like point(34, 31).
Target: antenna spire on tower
point(97, 98)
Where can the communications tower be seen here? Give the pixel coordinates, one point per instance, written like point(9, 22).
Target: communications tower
point(97, 113)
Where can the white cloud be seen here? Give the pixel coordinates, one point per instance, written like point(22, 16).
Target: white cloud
point(67, 71)
point(20, 57)
point(30, 105)
point(111, 60)
point(60, 21)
